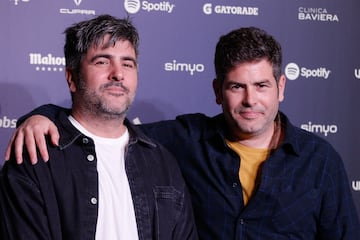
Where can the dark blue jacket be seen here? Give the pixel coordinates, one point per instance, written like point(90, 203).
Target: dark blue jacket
point(58, 199)
point(303, 191)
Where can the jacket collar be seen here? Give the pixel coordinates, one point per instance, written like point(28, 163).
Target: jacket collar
point(290, 143)
point(69, 134)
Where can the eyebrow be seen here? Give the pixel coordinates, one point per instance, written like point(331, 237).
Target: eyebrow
point(230, 81)
point(109, 56)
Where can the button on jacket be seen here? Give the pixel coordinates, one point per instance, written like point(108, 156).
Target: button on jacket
point(304, 192)
point(59, 199)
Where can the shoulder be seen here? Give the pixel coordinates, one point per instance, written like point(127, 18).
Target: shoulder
point(313, 150)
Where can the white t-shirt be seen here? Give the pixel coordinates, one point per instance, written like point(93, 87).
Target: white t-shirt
point(116, 218)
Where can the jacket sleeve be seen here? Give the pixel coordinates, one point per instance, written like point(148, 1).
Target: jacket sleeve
point(338, 217)
point(50, 111)
point(25, 214)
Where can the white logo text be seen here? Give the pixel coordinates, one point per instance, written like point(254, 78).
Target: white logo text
point(174, 66)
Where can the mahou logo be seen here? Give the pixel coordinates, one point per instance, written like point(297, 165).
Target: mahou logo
point(47, 63)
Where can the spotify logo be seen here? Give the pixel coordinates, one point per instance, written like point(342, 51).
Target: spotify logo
point(292, 71)
point(132, 6)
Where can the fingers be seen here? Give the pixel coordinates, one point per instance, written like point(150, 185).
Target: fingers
point(30, 142)
point(17, 141)
point(54, 134)
point(35, 138)
point(32, 133)
point(41, 145)
point(8, 149)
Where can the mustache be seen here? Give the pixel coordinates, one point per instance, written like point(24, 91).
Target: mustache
point(114, 84)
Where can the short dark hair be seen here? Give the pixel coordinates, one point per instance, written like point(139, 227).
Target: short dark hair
point(246, 45)
point(83, 35)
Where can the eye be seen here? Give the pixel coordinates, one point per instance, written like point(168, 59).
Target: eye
point(101, 61)
point(262, 85)
point(129, 65)
point(236, 86)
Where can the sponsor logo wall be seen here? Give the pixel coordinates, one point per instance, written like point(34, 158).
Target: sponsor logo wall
point(320, 41)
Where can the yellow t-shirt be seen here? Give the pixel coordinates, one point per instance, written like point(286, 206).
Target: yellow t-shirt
point(250, 163)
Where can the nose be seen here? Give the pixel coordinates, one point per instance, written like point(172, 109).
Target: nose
point(117, 73)
point(249, 97)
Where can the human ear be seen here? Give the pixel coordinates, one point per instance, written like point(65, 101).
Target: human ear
point(281, 87)
point(70, 80)
point(217, 91)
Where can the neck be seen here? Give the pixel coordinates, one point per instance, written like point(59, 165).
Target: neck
point(270, 141)
point(101, 126)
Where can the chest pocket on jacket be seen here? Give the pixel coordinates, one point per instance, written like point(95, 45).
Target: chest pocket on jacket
point(169, 203)
point(296, 210)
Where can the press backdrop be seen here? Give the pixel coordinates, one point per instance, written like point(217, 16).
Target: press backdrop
point(320, 39)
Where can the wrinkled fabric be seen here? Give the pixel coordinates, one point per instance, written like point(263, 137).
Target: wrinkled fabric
point(58, 199)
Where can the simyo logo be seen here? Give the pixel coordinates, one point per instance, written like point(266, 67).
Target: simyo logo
point(175, 66)
point(293, 71)
point(357, 73)
point(319, 128)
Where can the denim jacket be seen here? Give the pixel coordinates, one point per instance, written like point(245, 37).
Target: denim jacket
point(58, 199)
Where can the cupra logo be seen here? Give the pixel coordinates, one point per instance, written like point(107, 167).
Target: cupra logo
point(17, 1)
point(77, 2)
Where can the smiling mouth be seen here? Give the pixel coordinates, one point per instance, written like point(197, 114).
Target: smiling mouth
point(249, 115)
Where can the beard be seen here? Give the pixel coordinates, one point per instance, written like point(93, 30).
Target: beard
point(97, 104)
